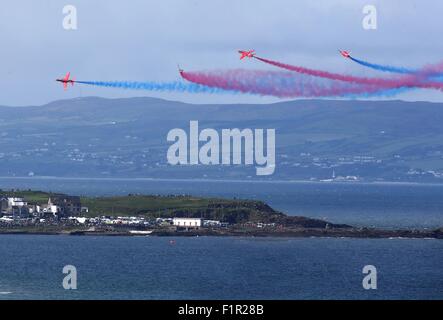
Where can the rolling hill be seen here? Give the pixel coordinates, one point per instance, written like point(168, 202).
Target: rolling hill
point(315, 139)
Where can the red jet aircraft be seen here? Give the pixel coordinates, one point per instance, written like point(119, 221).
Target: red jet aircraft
point(345, 53)
point(246, 54)
point(66, 80)
point(180, 70)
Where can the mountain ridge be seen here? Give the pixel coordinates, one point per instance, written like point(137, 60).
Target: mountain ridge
point(126, 137)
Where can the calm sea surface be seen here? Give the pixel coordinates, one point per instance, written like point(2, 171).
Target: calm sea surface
point(218, 268)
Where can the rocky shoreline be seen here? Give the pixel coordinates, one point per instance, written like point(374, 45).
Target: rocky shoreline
point(238, 232)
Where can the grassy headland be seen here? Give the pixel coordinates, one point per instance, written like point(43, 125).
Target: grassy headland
point(244, 217)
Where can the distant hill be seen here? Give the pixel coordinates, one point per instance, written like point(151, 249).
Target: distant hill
point(316, 139)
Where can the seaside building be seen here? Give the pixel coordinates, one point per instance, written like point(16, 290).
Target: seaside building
point(67, 205)
point(16, 202)
point(52, 208)
point(19, 212)
point(187, 223)
point(14, 207)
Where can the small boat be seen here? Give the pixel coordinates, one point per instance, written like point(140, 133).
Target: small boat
point(141, 232)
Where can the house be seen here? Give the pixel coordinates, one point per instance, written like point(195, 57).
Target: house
point(68, 204)
point(19, 212)
point(14, 207)
point(187, 223)
point(52, 208)
point(16, 202)
point(64, 206)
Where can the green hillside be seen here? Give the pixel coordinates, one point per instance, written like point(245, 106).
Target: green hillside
point(95, 137)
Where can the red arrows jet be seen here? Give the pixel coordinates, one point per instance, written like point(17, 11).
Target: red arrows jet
point(345, 53)
point(246, 54)
point(180, 70)
point(66, 80)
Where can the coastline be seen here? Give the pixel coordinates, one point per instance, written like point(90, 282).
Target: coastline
point(160, 215)
point(357, 233)
point(190, 180)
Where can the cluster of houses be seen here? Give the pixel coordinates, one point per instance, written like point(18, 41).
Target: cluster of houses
point(12, 207)
point(179, 223)
point(196, 223)
point(69, 209)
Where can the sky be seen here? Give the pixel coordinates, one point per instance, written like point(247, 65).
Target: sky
point(142, 40)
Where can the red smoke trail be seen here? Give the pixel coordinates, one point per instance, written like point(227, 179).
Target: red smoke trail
point(417, 80)
point(279, 84)
point(332, 76)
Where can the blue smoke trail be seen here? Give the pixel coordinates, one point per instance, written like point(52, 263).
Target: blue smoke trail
point(176, 86)
point(384, 67)
point(280, 85)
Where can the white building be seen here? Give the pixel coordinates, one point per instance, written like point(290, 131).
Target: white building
point(16, 202)
point(52, 208)
point(34, 209)
point(187, 222)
